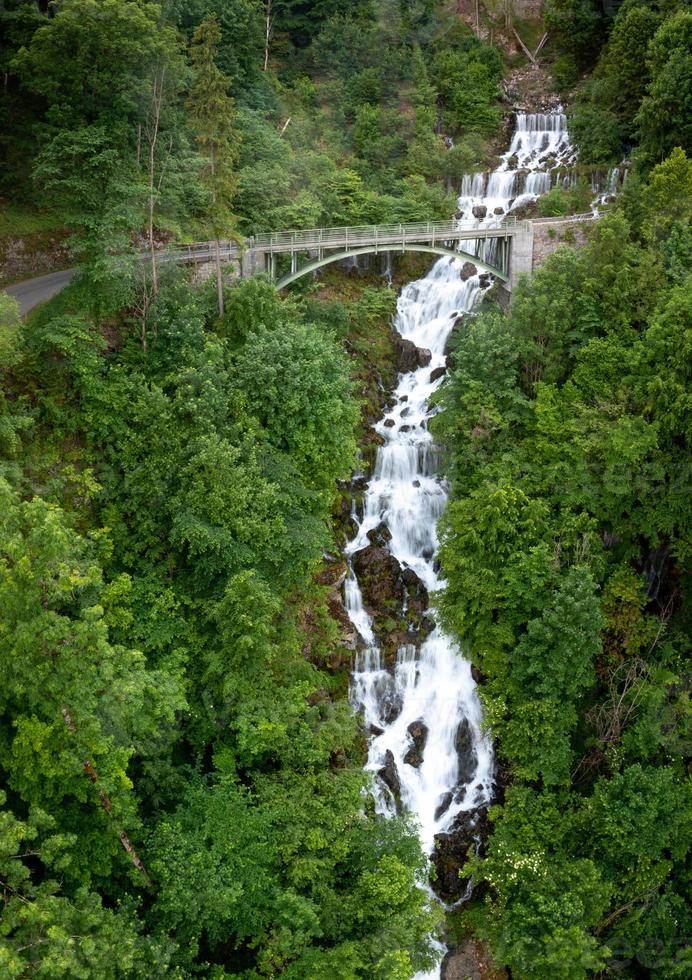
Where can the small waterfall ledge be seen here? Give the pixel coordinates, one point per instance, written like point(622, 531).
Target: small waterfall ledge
point(428, 752)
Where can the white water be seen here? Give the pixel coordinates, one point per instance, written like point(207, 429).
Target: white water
point(433, 683)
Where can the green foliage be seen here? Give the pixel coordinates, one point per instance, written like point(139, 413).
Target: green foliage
point(467, 79)
point(566, 430)
point(284, 371)
point(640, 90)
point(578, 26)
point(559, 201)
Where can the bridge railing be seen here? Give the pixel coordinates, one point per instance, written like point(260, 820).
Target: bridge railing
point(349, 235)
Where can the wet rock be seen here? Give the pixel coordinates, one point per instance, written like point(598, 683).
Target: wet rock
point(389, 775)
point(418, 731)
point(333, 575)
point(443, 806)
point(529, 209)
point(438, 372)
point(411, 357)
point(358, 485)
point(390, 708)
point(485, 279)
point(453, 849)
point(470, 961)
point(404, 398)
point(499, 211)
point(337, 611)
point(468, 270)
point(389, 423)
point(379, 575)
point(380, 535)
point(477, 674)
point(458, 214)
point(416, 594)
point(468, 758)
point(404, 428)
point(479, 211)
point(415, 483)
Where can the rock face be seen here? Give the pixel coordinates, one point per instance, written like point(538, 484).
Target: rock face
point(452, 851)
point(379, 575)
point(394, 596)
point(470, 961)
point(468, 270)
point(419, 736)
point(411, 357)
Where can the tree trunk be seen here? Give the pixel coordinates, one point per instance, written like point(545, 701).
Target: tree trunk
point(107, 804)
point(267, 35)
point(152, 133)
point(219, 279)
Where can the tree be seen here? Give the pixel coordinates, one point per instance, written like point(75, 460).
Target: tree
point(295, 381)
point(663, 119)
point(84, 171)
point(211, 112)
point(67, 745)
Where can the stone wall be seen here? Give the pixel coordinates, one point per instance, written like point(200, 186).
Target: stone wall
point(32, 255)
point(549, 234)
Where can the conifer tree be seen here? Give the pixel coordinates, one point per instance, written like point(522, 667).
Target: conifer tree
point(212, 118)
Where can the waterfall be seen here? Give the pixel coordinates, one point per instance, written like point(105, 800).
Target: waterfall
point(430, 689)
point(540, 147)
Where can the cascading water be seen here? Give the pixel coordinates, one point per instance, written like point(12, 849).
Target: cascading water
point(539, 151)
point(430, 690)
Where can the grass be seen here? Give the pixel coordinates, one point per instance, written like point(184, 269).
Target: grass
point(17, 220)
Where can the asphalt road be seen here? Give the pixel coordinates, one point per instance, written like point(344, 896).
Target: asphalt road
point(34, 291)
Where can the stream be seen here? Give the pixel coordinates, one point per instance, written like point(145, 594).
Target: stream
point(428, 752)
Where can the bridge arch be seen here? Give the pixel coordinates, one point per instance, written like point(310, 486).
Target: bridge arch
point(374, 249)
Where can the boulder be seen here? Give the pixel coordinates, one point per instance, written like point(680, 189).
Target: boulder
point(380, 535)
point(389, 423)
point(468, 758)
point(479, 211)
point(468, 270)
point(499, 211)
point(390, 777)
point(404, 428)
point(443, 805)
point(418, 731)
point(452, 851)
point(438, 372)
point(411, 357)
point(529, 209)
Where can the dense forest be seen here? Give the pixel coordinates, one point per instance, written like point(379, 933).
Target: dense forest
point(182, 780)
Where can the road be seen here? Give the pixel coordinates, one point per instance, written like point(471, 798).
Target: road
point(34, 291)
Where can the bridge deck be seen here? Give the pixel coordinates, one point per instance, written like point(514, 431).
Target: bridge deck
point(315, 239)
